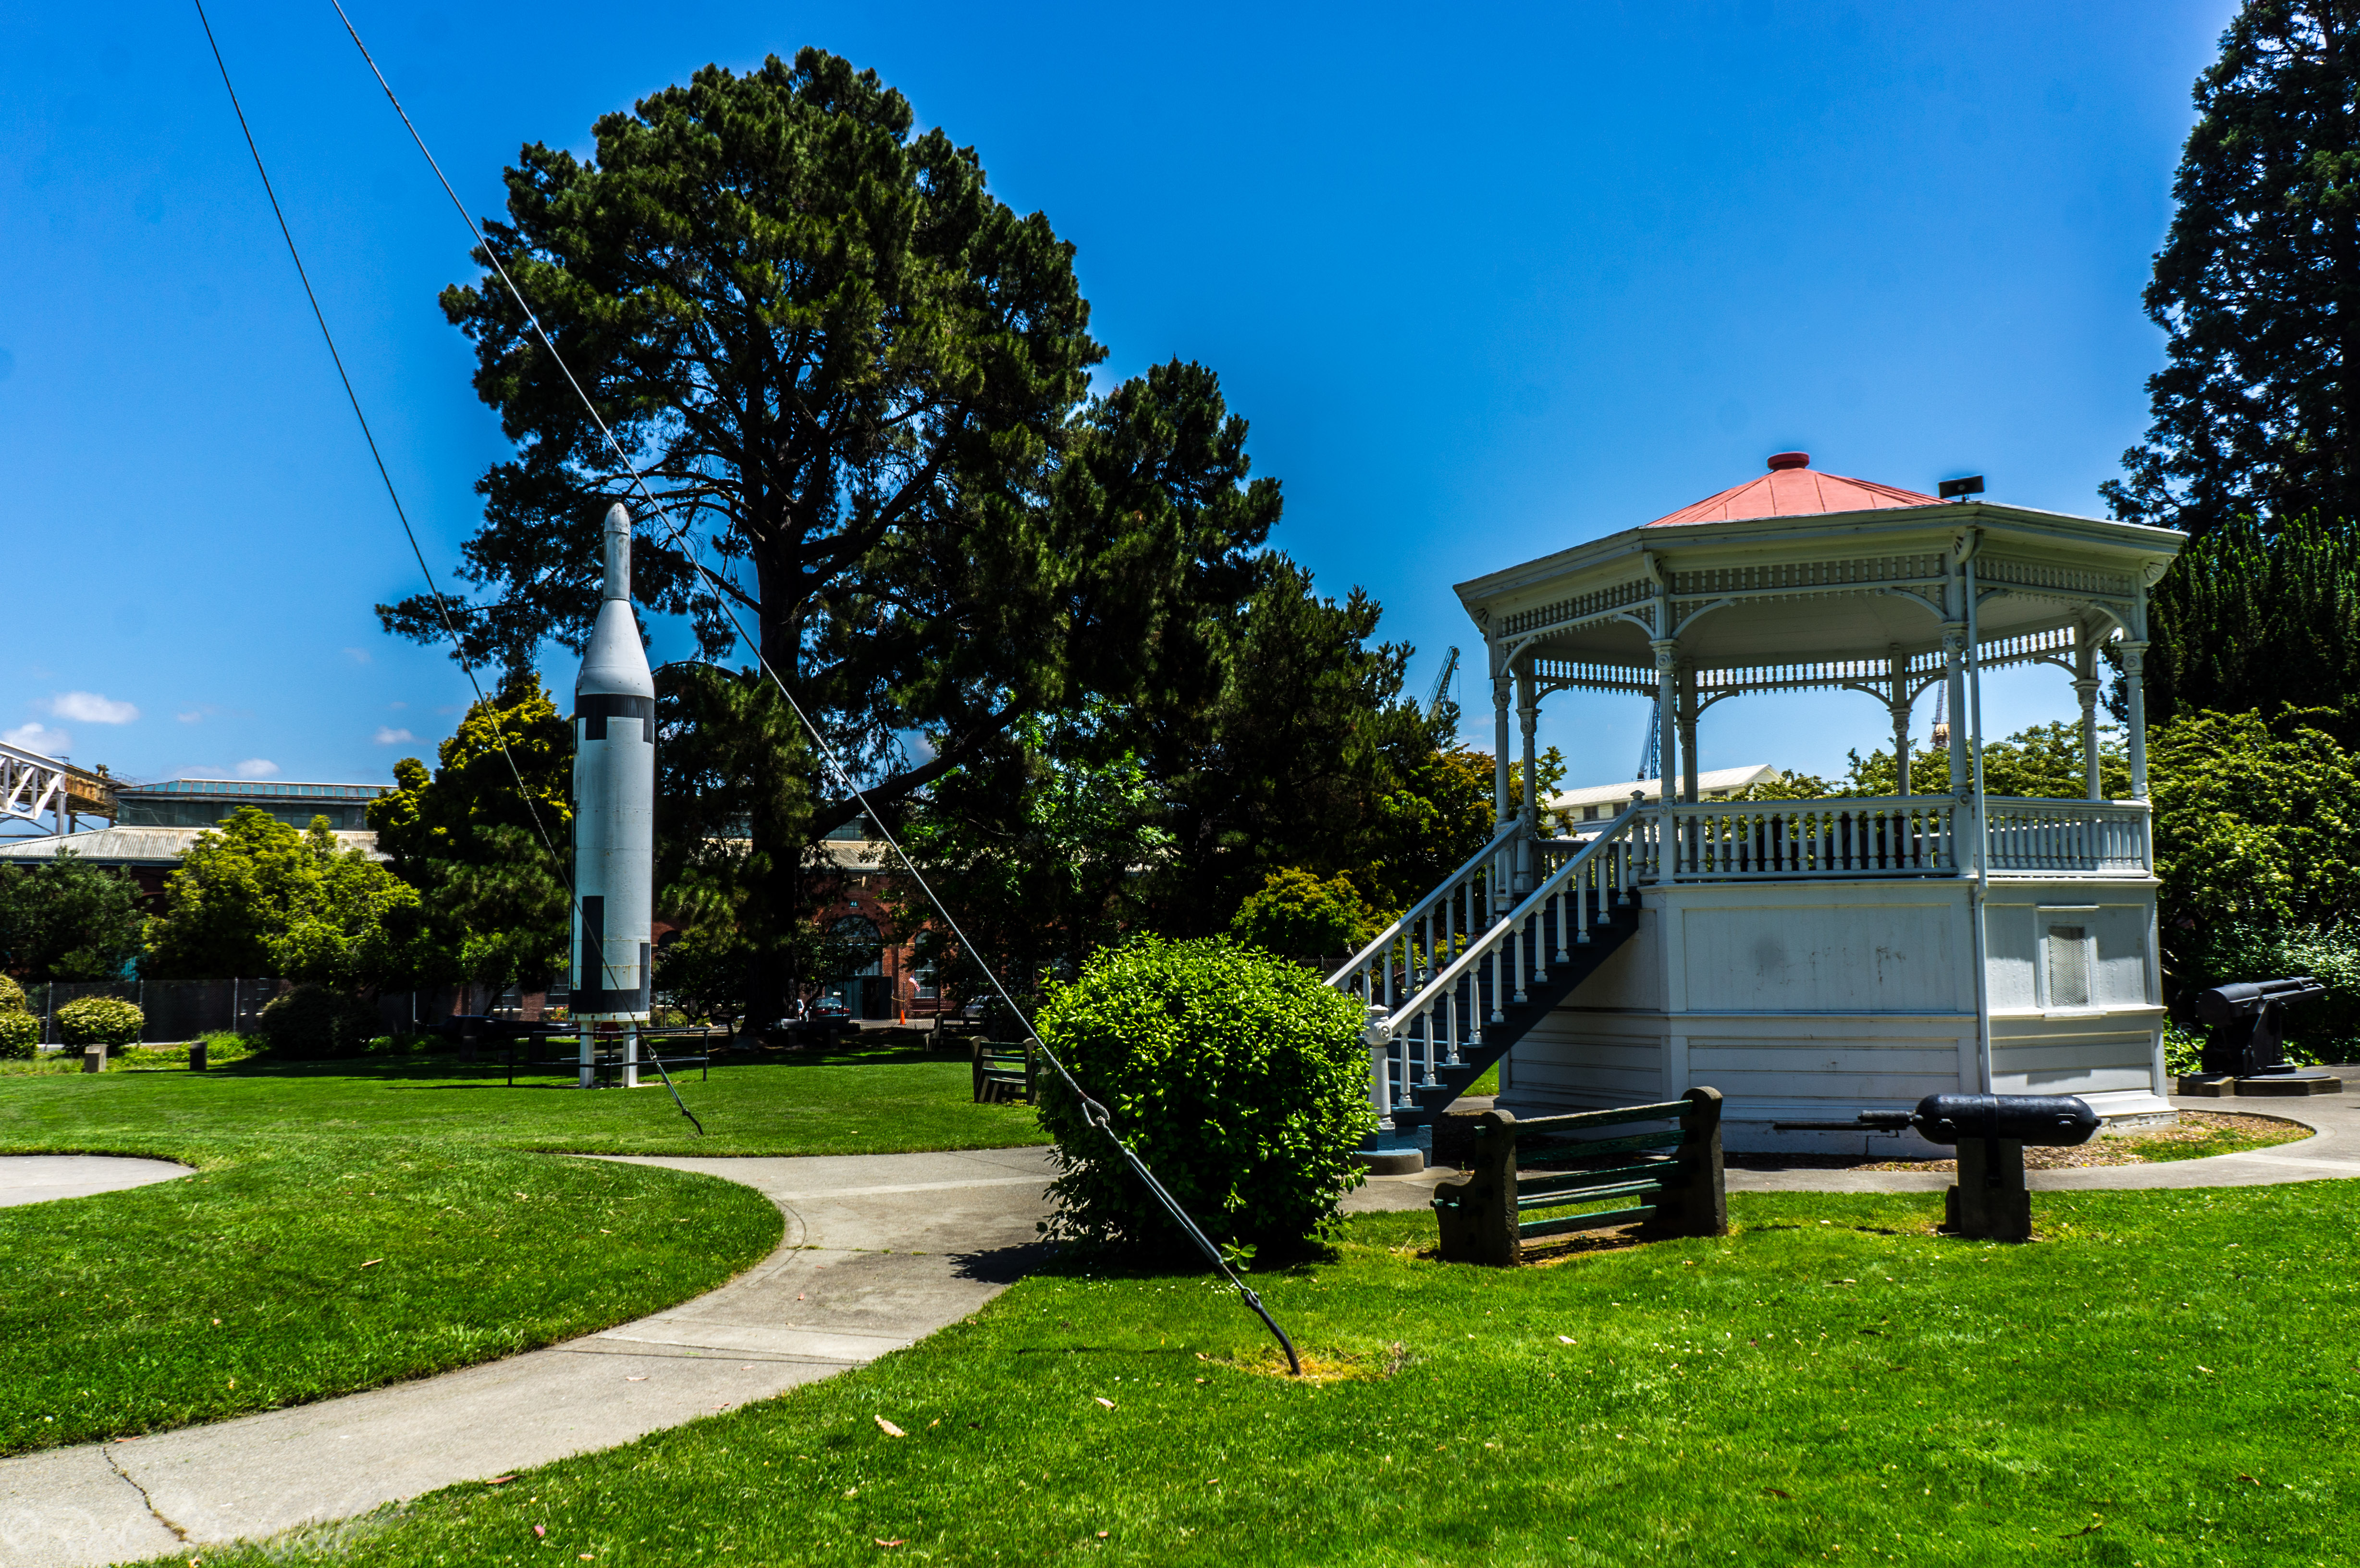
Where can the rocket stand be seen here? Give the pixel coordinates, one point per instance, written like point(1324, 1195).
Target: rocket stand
point(627, 1053)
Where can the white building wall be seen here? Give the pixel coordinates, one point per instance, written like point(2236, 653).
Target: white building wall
point(1812, 1000)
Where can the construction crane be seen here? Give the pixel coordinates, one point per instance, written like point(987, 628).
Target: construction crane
point(1651, 750)
point(1441, 686)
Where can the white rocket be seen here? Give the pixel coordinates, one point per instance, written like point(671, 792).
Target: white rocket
point(614, 807)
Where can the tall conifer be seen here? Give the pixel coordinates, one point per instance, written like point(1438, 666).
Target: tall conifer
point(2257, 414)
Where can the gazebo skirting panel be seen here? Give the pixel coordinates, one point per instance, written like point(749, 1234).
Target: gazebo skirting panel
point(1803, 998)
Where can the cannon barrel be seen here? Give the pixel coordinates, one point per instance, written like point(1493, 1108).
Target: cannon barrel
point(2246, 998)
point(2053, 1121)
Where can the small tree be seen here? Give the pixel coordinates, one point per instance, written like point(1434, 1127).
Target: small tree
point(258, 897)
point(68, 919)
point(492, 902)
point(1297, 916)
point(1240, 1079)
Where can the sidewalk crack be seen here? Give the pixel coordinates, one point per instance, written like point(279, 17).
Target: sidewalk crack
point(109, 1454)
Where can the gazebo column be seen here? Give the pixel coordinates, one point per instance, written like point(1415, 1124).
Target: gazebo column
point(1898, 705)
point(1954, 673)
point(2085, 690)
point(1667, 733)
point(1528, 712)
point(2134, 700)
point(1687, 702)
point(1503, 694)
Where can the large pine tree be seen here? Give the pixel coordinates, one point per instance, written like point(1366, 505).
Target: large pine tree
point(860, 385)
point(2257, 414)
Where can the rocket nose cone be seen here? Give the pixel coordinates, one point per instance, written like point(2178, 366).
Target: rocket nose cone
point(617, 564)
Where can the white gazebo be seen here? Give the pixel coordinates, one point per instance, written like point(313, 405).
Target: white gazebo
point(1806, 958)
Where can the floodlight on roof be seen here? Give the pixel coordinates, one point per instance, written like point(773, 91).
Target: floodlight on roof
point(1972, 484)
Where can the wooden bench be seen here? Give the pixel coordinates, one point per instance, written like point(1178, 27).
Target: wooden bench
point(1671, 1181)
point(1005, 1072)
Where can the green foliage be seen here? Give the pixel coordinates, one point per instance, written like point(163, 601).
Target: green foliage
point(2254, 414)
point(492, 905)
point(100, 1020)
point(2043, 762)
point(2327, 1030)
point(1042, 885)
point(2254, 614)
point(314, 1023)
point(12, 995)
point(1810, 786)
point(1241, 1080)
point(68, 919)
point(1300, 747)
point(2256, 828)
point(20, 1034)
point(258, 897)
point(1297, 916)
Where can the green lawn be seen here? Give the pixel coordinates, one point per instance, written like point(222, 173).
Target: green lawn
point(2165, 1378)
point(291, 1269)
point(356, 1223)
point(869, 1097)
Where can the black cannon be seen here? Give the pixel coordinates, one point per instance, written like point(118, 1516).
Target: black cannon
point(2248, 1021)
point(1991, 1131)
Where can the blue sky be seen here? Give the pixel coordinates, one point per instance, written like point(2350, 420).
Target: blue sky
point(1487, 284)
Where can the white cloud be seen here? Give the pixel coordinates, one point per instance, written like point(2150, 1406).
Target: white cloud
point(396, 705)
point(37, 737)
point(390, 737)
point(357, 655)
point(256, 768)
point(192, 716)
point(90, 708)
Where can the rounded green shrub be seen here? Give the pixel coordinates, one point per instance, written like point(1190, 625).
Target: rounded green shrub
point(12, 997)
point(1296, 915)
point(19, 1033)
point(315, 1022)
point(100, 1020)
point(1240, 1079)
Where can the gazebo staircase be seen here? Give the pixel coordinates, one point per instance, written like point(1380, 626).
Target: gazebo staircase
point(1506, 1021)
point(1456, 982)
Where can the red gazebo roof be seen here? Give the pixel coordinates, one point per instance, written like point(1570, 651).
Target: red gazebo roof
point(1793, 488)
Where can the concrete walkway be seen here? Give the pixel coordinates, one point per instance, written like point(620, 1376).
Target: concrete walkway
point(38, 1178)
point(879, 1251)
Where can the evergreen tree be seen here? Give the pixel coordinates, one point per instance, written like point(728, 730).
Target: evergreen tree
point(2257, 413)
point(859, 383)
point(2255, 615)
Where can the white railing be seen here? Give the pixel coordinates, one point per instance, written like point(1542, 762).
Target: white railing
point(1911, 835)
point(2069, 835)
point(1403, 960)
point(1904, 835)
point(1435, 1025)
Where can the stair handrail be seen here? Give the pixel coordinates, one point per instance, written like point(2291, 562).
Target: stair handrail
point(1496, 935)
point(1425, 906)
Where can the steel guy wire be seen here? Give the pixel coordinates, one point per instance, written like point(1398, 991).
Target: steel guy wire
point(442, 607)
point(1095, 1114)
